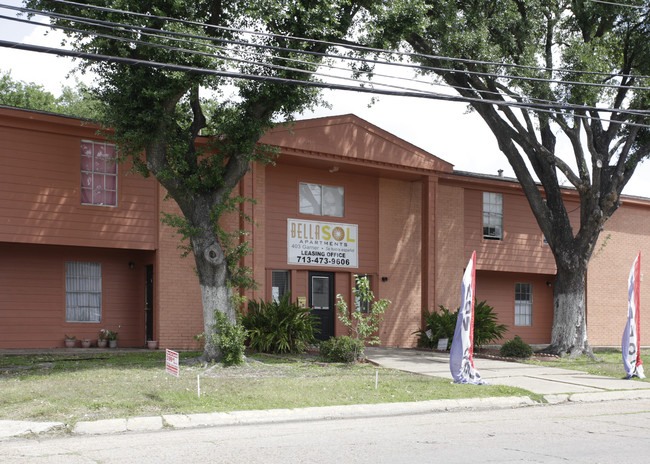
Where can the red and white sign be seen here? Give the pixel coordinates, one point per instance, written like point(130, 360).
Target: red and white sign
point(172, 363)
point(461, 355)
point(631, 336)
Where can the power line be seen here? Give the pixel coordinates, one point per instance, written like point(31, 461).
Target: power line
point(626, 5)
point(141, 29)
point(157, 33)
point(286, 68)
point(253, 77)
point(349, 46)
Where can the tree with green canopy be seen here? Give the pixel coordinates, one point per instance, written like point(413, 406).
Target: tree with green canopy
point(72, 102)
point(533, 70)
point(157, 111)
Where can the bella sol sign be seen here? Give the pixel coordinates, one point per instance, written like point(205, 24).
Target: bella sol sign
point(319, 243)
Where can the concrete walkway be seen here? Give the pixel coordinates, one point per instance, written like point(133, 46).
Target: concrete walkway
point(556, 385)
point(546, 381)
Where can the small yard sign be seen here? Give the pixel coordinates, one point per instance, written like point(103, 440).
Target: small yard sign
point(172, 363)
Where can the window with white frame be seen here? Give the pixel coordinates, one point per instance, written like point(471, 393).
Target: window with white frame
point(492, 216)
point(321, 200)
point(83, 292)
point(523, 304)
point(98, 174)
point(280, 284)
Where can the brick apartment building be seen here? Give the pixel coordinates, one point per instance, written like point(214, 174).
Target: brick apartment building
point(82, 247)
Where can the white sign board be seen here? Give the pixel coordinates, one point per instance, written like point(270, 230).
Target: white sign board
point(321, 243)
point(172, 363)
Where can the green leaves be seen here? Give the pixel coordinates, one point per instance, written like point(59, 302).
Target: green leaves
point(279, 326)
point(229, 339)
point(442, 324)
point(363, 326)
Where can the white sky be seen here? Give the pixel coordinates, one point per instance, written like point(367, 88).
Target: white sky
point(443, 129)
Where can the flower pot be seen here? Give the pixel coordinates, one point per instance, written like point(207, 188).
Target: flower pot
point(85, 342)
point(101, 343)
point(70, 343)
point(112, 343)
point(152, 344)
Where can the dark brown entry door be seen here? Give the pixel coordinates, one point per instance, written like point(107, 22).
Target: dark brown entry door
point(321, 302)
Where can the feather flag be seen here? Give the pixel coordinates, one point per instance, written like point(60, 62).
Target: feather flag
point(631, 344)
point(461, 356)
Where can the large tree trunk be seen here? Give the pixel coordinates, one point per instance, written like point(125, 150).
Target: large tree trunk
point(569, 334)
point(212, 271)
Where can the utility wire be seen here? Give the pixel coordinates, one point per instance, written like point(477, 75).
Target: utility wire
point(253, 77)
point(279, 67)
point(241, 60)
point(626, 5)
point(298, 51)
point(355, 47)
point(225, 57)
point(112, 25)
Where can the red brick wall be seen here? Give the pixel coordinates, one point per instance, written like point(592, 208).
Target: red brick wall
point(625, 235)
point(40, 199)
point(498, 290)
point(450, 251)
point(33, 293)
point(400, 248)
point(281, 201)
point(178, 310)
point(522, 248)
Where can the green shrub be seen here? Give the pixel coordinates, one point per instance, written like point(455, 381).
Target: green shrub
point(442, 324)
point(229, 338)
point(279, 326)
point(341, 349)
point(516, 348)
point(486, 329)
point(362, 325)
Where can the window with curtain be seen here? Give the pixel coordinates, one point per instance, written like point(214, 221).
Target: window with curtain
point(321, 200)
point(83, 289)
point(279, 284)
point(523, 304)
point(492, 216)
point(98, 174)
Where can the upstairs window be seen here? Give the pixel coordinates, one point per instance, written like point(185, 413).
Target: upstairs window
point(492, 216)
point(98, 174)
point(321, 200)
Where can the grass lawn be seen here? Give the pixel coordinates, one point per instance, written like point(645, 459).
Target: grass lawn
point(71, 387)
point(609, 362)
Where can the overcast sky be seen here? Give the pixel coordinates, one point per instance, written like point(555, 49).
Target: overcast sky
point(443, 129)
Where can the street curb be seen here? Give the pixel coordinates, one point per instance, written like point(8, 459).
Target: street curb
point(341, 412)
point(10, 428)
point(222, 419)
point(612, 395)
point(133, 424)
point(597, 397)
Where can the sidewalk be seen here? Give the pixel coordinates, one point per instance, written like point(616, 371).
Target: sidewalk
point(556, 385)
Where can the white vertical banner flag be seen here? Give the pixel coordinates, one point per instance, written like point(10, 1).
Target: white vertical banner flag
point(631, 344)
point(461, 356)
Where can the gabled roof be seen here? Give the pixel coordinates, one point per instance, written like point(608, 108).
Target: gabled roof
point(350, 138)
